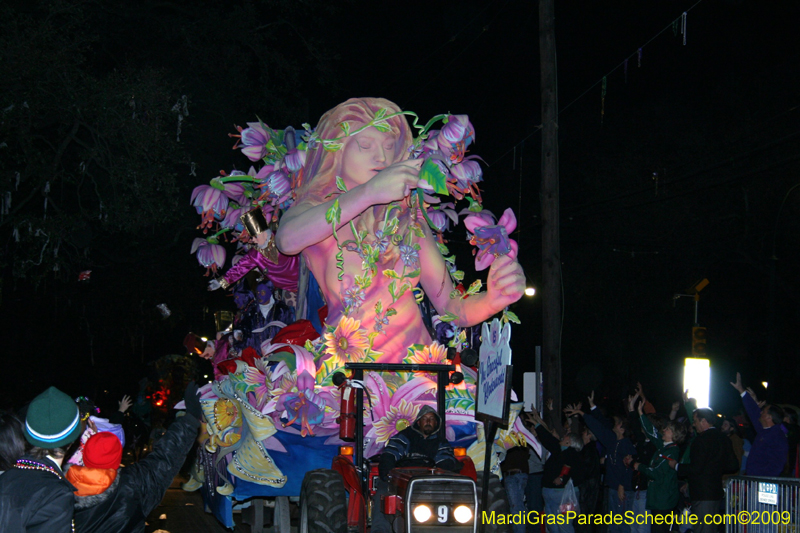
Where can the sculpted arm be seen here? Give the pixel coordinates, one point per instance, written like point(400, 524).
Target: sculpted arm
point(304, 224)
point(505, 285)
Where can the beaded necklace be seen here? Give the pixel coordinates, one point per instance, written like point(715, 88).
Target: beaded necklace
point(24, 464)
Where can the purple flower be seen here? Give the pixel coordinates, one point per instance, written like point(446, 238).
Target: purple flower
point(492, 240)
point(232, 220)
point(381, 241)
point(254, 141)
point(441, 216)
point(409, 256)
point(278, 183)
point(237, 191)
point(353, 297)
point(209, 255)
point(467, 172)
point(458, 130)
point(295, 159)
point(206, 198)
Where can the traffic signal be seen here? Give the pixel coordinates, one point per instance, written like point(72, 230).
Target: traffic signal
point(699, 341)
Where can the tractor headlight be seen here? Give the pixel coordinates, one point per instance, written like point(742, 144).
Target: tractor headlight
point(422, 513)
point(462, 514)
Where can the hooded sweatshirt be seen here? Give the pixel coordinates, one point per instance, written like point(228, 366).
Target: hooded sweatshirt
point(414, 448)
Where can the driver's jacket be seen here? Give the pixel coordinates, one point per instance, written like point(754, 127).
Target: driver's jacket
point(412, 447)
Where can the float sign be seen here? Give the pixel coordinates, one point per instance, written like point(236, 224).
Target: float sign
point(494, 373)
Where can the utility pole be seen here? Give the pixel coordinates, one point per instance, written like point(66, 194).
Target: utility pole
point(551, 248)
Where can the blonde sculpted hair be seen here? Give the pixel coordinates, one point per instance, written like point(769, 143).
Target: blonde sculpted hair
point(322, 166)
point(318, 183)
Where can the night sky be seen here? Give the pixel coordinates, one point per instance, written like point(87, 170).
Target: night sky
point(688, 174)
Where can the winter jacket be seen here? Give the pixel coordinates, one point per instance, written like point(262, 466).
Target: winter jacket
point(616, 449)
point(770, 449)
point(139, 488)
point(558, 460)
point(662, 490)
point(35, 501)
point(412, 445)
point(711, 455)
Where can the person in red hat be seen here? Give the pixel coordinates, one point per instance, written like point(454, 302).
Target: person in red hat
point(110, 499)
point(102, 455)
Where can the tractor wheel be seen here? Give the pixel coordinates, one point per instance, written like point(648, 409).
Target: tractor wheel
point(323, 502)
point(496, 501)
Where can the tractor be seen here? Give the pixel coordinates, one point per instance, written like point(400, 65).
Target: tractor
point(421, 498)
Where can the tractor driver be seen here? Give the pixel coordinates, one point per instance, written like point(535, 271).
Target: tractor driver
point(416, 445)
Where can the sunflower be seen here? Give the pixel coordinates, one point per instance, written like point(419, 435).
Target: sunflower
point(347, 341)
point(435, 354)
point(397, 418)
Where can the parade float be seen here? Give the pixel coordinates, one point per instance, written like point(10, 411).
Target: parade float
point(273, 412)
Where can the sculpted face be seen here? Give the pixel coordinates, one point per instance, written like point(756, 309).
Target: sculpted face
point(366, 154)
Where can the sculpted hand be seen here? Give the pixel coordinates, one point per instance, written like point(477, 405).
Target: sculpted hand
point(394, 182)
point(506, 282)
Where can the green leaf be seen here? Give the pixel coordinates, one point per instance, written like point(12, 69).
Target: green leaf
point(326, 371)
point(431, 173)
point(334, 213)
point(474, 206)
point(411, 275)
point(475, 287)
point(508, 316)
point(448, 317)
point(345, 128)
point(217, 184)
point(391, 312)
point(383, 126)
point(332, 146)
point(379, 307)
point(380, 114)
point(403, 288)
point(443, 249)
point(458, 275)
point(340, 184)
point(391, 274)
point(392, 289)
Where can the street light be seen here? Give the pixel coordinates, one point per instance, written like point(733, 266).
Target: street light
point(530, 291)
point(697, 380)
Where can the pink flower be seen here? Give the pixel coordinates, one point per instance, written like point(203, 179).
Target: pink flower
point(492, 240)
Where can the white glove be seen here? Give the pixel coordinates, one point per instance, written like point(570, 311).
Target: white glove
point(213, 285)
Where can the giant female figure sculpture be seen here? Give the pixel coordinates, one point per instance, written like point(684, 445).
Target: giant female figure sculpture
point(377, 179)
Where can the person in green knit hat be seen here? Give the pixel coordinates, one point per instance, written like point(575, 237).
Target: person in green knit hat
point(34, 495)
point(662, 489)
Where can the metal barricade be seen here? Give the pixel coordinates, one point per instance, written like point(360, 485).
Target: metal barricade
point(762, 505)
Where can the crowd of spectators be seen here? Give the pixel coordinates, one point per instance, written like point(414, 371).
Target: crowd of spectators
point(632, 459)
